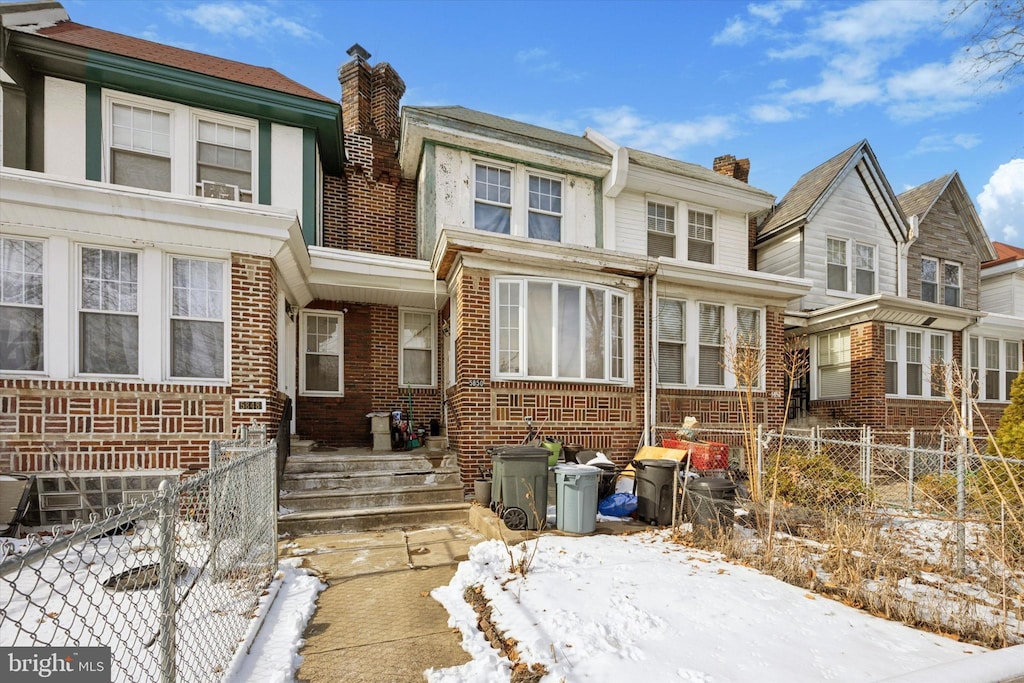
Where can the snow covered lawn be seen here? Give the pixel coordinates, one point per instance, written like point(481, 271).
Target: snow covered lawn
point(605, 608)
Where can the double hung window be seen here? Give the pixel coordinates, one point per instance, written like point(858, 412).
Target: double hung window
point(951, 284)
point(916, 361)
point(864, 269)
point(749, 358)
point(108, 312)
point(1012, 349)
point(836, 275)
point(21, 305)
point(492, 208)
point(701, 230)
point(197, 318)
point(929, 279)
point(321, 358)
point(661, 230)
point(711, 324)
point(892, 360)
point(417, 348)
point(545, 212)
point(992, 372)
point(1000, 365)
point(223, 161)
point(932, 269)
point(833, 361)
point(552, 329)
point(671, 341)
point(840, 254)
point(140, 147)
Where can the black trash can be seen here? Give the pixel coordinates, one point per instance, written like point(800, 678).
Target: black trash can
point(653, 487)
point(606, 484)
point(710, 505)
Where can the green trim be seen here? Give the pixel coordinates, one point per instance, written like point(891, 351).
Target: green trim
point(93, 132)
point(309, 187)
point(599, 214)
point(427, 207)
point(54, 58)
point(264, 161)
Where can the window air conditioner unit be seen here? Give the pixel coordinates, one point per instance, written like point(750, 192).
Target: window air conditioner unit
point(215, 190)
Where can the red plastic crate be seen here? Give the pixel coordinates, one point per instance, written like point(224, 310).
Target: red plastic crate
point(708, 455)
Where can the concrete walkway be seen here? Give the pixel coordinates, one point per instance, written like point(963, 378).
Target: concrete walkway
point(376, 621)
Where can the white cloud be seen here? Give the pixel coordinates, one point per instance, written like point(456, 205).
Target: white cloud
point(736, 32)
point(762, 16)
point(533, 54)
point(245, 20)
point(772, 113)
point(1001, 202)
point(946, 143)
point(936, 88)
point(772, 12)
point(627, 127)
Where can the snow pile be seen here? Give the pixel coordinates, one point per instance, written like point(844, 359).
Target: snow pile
point(599, 607)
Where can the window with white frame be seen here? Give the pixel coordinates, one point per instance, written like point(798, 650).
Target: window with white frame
point(701, 231)
point(224, 160)
point(417, 346)
point(711, 352)
point(492, 208)
point(140, 147)
point(661, 229)
point(749, 356)
point(545, 208)
point(198, 306)
point(951, 283)
point(321, 364)
point(864, 269)
point(975, 367)
point(671, 341)
point(108, 312)
point(21, 305)
point(833, 364)
point(929, 279)
point(999, 367)
point(554, 329)
point(836, 275)
point(916, 361)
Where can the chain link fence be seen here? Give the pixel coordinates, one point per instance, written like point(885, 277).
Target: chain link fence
point(170, 583)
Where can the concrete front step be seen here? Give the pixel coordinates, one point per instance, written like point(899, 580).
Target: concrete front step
point(332, 462)
point(318, 481)
point(367, 519)
point(401, 496)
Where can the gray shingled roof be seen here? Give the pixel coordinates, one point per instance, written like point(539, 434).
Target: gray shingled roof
point(685, 168)
point(917, 200)
point(801, 197)
point(516, 128)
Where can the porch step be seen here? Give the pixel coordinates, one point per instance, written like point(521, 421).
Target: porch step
point(332, 462)
point(318, 481)
point(355, 499)
point(373, 518)
point(300, 446)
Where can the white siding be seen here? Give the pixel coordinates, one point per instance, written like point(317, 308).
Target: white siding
point(782, 257)
point(849, 213)
point(286, 167)
point(453, 193)
point(631, 223)
point(1003, 294)
point(64, 128)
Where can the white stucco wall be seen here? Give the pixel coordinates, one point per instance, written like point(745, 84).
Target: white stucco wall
point(64, 127)
point(286, 166)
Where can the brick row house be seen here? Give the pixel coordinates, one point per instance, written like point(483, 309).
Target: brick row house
point(187, 243)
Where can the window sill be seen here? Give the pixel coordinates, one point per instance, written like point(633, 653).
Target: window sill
point(322, 394)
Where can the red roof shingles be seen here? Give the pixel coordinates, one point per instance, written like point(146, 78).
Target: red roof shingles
point(1005, 253)
point(136, 48)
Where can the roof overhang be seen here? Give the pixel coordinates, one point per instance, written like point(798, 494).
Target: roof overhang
point(420, 127)
point(341, 275)
point(998, 324)
point(774, 289)
point(54, 58)
point(35, 204)
point(887, 309)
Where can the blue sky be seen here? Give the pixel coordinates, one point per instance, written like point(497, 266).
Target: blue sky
point(787, 83)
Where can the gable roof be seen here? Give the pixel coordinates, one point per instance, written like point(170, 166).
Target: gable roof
point(126, 46)
point(810, 191)
point(918, 201)
point(471, 117)
point(1005, 253)
point(684, 168)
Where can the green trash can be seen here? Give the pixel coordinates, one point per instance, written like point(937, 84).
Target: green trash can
point(519, 491)
point(710, 505)
point(576, 509)
point(653, 487)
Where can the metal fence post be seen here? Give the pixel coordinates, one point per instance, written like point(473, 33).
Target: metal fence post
point(961, 531)
point(942, 449)
point(760, 452)
point(910, 470)
point(166, 638)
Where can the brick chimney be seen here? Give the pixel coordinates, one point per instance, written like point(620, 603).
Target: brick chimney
point(728, 165)
point(370, 96)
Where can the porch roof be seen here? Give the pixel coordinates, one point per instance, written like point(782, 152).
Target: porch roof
point(884, 308)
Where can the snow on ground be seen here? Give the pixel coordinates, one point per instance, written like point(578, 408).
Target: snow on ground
point(603, 608)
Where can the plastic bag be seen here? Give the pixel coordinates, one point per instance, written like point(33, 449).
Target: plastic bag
point(618, 505)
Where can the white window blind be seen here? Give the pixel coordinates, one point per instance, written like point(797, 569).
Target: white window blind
point(701, 244)
point(671, 341)
point(834, 365)
point(711, 364)
point(661, 230)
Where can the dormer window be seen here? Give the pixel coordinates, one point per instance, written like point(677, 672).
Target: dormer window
point(140, 147)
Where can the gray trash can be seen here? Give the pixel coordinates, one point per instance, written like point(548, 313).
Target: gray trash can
point(710, 505)
point(653, 488)
point(576, 510)
point(519, 492)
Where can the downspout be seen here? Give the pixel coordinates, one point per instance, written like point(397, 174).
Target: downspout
point(650, 312)
point(966, 409)
point(903, 253)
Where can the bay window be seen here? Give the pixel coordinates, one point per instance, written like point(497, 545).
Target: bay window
point(552, 329)
point(833, 364)
point(197, 318)
point(320, 360)
point(108, 312)
point(21, 305)
point(1000, 365)
point(916, 361)
point(417, 345)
